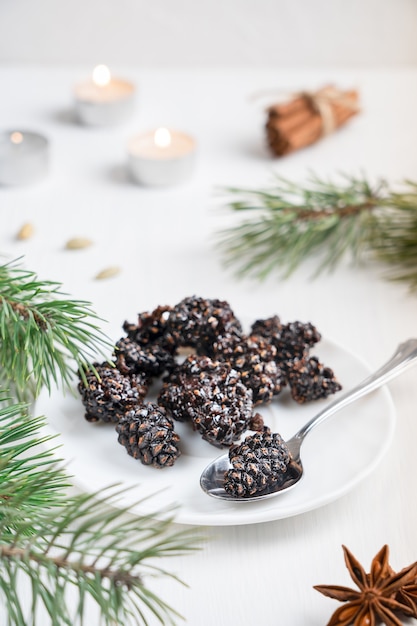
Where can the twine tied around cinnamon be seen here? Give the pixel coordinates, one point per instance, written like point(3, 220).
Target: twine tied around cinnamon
point(302, 118)
point(322, 101)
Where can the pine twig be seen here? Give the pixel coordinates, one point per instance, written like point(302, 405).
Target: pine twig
point(396, 245)
point(44, 337)
point(83, 544)
point(288, 223)
point(29, 478)
point(80, 542)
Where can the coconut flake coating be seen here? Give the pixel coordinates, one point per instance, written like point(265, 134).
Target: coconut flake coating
point(148, 435)
point(200, 322)
point(110, 396)
point(212, 397)
point(258, 463)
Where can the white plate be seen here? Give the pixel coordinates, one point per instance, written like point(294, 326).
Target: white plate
point(336, 456)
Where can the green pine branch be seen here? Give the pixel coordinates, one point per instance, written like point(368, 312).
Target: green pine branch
point(324, 222)
point(65, 546)
point(83, 543)
point(29, 478)
point(42, 333)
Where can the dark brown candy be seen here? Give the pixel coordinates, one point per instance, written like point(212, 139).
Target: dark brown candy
point(199, 323)
point(258, 463)
point(181, 387)
point(215, 389)
point(267, 328)
point(110, 394)
point(301, 333)
point(311, 380)
point(151, 359)
point(152, 328)
point(211, 396)
point(292, 341)
point(254, 358)
point(148, 435)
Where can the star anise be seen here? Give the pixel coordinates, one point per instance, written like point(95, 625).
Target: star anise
point(408, 595)
point(380, 593)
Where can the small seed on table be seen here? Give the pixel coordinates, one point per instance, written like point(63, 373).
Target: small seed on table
point(77, 243)
point(25, 232)
point(108, 272)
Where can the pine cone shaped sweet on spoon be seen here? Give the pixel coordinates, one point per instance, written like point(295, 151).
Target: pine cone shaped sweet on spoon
point(258, 463)
point(213, 478)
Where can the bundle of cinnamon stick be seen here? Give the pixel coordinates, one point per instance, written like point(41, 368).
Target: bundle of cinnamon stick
point(307, 117)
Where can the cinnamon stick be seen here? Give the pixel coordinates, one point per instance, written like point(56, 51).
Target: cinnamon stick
point(306, 118)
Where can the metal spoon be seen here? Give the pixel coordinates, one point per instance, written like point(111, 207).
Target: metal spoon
point(212, 478)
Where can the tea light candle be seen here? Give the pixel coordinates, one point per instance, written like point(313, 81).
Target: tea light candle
point(161, 157)
point(104, 100)
point(24, 157)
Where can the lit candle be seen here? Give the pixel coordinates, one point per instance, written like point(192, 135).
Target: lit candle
point(24, 157)
point(161, 157)
point(104, 100)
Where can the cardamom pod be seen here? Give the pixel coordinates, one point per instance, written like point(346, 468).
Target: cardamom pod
point(77, 243)
point(25, 232)
point(108, 272)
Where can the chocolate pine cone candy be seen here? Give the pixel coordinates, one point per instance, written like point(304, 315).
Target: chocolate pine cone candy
point(109, 396)
point(292, 341)
point(180, 390)
point(151, 359)
point(306, 117)
point(149, 348)
point(267, 328)
point(215, 389)
point(255, 359)
point(148, 435)
point(199, 323)
point(151, 329)
point(258, 463)
point(311, 380)
point(212, 397)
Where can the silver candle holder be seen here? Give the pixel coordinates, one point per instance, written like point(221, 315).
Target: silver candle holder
point(24, 157)
point(161, 158)
point(104, 100)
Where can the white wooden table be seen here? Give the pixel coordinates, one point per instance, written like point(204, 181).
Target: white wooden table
point(162, 239)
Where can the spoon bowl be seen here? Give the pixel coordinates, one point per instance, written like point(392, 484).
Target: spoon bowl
point(212, 478)
point(212, 481)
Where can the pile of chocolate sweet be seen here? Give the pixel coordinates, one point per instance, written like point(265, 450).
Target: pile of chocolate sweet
point(216, 388)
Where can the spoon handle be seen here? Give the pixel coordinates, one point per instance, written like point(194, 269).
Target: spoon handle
point(404, 356)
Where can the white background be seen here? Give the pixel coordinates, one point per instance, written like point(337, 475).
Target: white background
point(162, 239)
point(191, 33)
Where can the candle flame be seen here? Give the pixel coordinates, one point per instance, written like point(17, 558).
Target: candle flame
point(162, 138)
point(101, 75)
point(16, 137)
